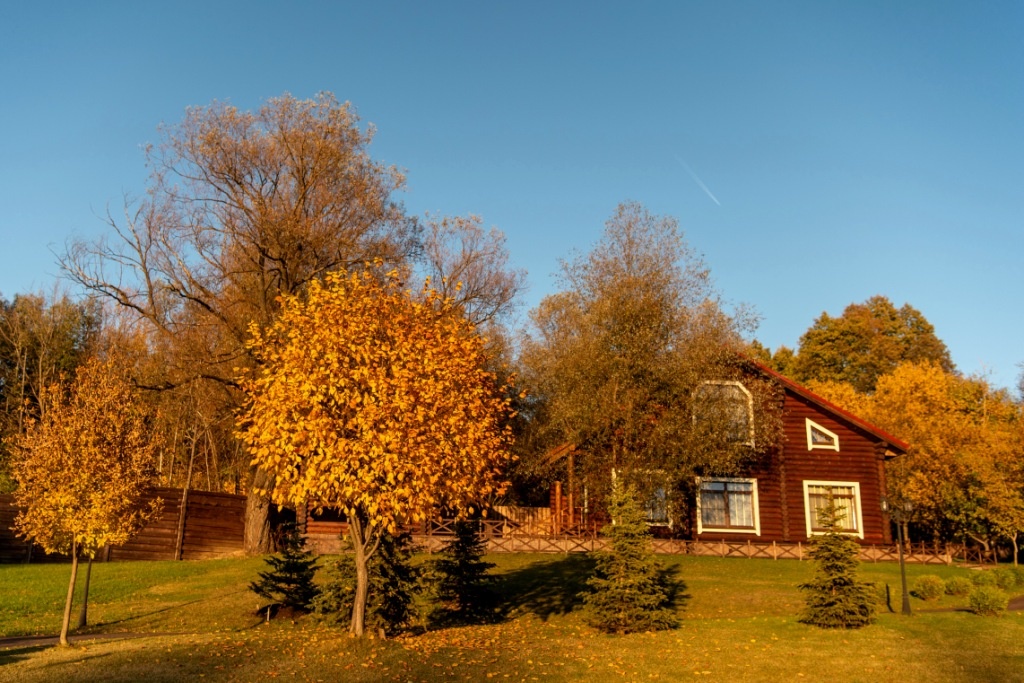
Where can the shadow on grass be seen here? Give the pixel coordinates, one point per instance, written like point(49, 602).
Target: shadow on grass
point(548, 588)
point(18, 654)
point(557, 587)
point(145, 614)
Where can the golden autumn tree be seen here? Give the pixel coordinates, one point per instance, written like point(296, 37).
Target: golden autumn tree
point(377, 403)
point(82, 466)
point(962, 472)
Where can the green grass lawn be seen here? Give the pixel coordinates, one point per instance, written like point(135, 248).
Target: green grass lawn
point(739, 624)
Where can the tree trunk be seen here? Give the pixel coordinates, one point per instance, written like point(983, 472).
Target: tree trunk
point(257, 516)
point(83, 616)
point(365, 543)
point(71, 595)
point(356, 533)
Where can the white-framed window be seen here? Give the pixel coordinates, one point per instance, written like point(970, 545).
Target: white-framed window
point(845, 496)
point(819, 438)
point(728, 505)
point(653, 486)
point(730, 405)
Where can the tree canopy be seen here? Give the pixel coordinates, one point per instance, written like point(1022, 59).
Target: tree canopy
point(615, 360)
point(82, 466)
point(243, 207)
point(376, 403)
point(867, 341)
point(963, 472)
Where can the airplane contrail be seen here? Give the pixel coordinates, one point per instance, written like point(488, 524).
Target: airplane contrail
point(697, 180)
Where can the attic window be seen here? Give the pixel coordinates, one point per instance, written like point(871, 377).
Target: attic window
point(819, 438)
point(729, 406)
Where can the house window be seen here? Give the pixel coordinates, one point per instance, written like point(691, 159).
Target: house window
point(729, 406)
point(819, 438)
point(727, 505)
point(846, 497)
point(653, 488)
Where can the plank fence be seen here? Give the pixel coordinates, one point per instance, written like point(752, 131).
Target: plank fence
point(213, 525)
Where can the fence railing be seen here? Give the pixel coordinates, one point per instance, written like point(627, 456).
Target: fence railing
point(505, 536)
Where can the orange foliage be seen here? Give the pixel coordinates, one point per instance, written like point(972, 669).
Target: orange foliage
point(374, 403)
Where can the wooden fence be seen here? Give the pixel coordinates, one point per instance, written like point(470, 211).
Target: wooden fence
point(504, 536)
point(213, 525)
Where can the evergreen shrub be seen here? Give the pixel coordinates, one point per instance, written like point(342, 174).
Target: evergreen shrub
point(463, 584)
point(929, 587)
point(1006, 578)
point(958, 585)
point(835, 598)
point(394, 583)
point(983, 578)
point(631, 591)
point(289, 582)
point(987, 601)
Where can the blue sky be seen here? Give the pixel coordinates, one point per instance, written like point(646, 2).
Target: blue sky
point(852, 149)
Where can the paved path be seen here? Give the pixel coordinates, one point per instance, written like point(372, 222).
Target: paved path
point(42, 641)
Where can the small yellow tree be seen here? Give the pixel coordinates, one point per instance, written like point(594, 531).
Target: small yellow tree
point(82, 466)
point(376, 403)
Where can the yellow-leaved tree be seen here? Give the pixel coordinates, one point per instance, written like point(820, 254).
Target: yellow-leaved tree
point(82, 466)
point(377, 403)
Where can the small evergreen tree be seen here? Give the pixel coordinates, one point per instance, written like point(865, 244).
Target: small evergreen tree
point(462, 583)
point(631, 590)
point(393, 585)
point(834, 596)
point(289, 583)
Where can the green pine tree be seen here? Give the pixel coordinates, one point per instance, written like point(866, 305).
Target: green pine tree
point(834, 596)
point(462, 582)
point(631, 591)
point(394, 584)
point(289, 583)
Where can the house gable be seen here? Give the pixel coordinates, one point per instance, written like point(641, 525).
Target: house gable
point(824, 448)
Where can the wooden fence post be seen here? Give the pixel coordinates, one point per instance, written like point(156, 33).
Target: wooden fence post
point(179, 541)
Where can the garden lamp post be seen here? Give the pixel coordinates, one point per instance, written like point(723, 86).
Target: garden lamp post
point(899, 514)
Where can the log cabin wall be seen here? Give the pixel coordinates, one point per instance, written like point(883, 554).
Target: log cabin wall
point(781, 475)
point(857, 460)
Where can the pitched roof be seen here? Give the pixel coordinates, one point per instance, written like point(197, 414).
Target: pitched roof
point(898, 446)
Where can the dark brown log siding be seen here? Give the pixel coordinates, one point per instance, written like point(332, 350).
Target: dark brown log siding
point(858, 460)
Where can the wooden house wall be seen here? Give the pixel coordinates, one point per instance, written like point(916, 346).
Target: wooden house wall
point(858, 460)
point(781, 477)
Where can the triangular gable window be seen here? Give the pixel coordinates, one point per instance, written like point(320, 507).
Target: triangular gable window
point(819, 438)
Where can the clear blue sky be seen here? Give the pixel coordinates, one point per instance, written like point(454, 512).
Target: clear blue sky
point(853, 148)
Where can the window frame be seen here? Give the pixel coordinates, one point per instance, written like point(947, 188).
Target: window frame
point(857, 501)
point(749, 400)
point(661, 474)
point(811, 446)
point(754, 505)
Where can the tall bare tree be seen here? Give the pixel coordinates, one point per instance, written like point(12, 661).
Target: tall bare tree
point(471, 266)
point(241, 208)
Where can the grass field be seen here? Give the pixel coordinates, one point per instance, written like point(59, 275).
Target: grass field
point(739, 624)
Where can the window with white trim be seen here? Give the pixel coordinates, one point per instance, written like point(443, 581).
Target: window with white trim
point(730, 406)
point(727, 504)
point(819, 438)
point(845, 497)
